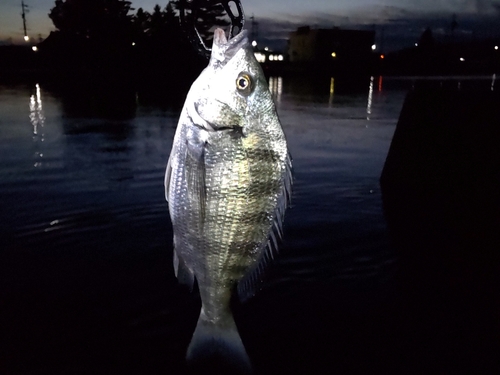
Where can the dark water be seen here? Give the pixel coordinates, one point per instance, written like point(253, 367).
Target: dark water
point(86, 280)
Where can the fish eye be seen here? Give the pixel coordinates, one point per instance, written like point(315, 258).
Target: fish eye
point(244, 83)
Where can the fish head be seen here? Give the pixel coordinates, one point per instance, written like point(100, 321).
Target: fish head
point(232, 90)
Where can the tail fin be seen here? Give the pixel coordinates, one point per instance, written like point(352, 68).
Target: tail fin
point(218, 347)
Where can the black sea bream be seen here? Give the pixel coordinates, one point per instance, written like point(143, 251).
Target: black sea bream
point(227, 183)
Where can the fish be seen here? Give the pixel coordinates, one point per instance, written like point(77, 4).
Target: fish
point(228, 183)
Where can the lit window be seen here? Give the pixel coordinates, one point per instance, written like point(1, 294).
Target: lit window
point(260, 57)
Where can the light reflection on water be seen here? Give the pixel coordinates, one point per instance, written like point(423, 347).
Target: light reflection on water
point(93, 165)
point(93, 218)
point(370, 99)
point(36, 111)
point(276, 87)
point(37, 120)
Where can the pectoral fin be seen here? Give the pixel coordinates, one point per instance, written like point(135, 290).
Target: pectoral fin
point(168, 174)
point(182, 272)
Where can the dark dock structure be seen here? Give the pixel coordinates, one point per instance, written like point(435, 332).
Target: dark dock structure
point(331, 50)
point(441, 196)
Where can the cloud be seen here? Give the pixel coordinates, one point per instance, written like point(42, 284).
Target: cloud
point(401, 27)
point(496, 6)
point(478, 7)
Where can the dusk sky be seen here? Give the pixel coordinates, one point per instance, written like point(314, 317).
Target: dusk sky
point(402, 21)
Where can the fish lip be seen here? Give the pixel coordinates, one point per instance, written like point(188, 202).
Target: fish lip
point(224, 50)
point(221, 41)
point(220, 37)
point(237, 42)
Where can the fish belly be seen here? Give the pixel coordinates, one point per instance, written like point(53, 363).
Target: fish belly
point(222, 239)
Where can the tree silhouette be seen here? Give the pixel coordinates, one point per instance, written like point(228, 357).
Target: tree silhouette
point(426, 40)
point(95, 36)
point(103, 38)
point(140, 22)
point(93, 19)
point(170, 16)
point(207, 19)
point(157, 23)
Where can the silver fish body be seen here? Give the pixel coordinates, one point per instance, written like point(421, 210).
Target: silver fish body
point(227, 184)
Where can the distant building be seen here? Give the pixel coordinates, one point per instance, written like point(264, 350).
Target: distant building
point(331, 47)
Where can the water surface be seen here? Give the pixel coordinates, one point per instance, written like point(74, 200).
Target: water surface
point(86, 279)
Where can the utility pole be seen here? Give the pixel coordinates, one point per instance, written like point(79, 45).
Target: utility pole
point(382, 39)
point(453, 26)
point(24, 8)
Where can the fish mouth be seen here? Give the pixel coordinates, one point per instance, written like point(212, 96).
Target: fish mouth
point(237, 42)
point(220, 39)
point(203, 123)
point(236, 131)
point(228, 48)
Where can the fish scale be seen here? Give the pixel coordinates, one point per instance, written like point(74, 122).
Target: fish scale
point(227, 183)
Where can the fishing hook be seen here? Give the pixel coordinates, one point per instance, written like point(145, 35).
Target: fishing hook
point(188, 21)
